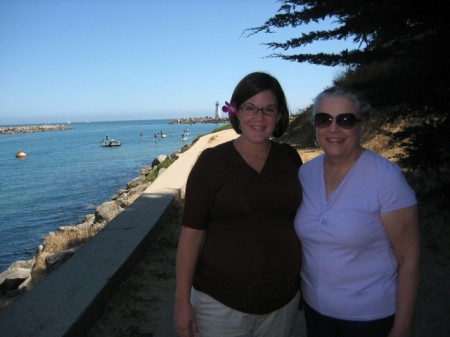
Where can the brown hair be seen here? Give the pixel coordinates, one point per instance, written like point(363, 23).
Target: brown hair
point(253, 84)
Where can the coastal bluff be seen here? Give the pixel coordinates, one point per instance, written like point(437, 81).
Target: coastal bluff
point(10, 130)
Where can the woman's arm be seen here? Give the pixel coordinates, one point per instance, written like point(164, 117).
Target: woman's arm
point(188, 251)
point(402, 228)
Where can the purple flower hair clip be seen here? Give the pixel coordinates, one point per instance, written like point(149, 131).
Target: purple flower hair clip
point(230, 108)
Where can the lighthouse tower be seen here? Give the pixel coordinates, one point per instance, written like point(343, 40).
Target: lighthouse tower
point(217, 110)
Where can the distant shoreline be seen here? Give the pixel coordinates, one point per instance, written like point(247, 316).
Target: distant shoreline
point(10, 130)
point(198, 120)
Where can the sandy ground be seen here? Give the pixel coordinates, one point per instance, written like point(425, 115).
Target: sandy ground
point(137, 306)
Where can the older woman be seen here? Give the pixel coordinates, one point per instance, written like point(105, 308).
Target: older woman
point(358, 226)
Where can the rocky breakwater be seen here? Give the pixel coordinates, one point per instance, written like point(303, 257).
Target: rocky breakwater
point(33, 128)
point(22, 275)
point(198, 120)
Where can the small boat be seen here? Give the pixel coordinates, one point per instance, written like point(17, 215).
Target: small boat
point(110, 142)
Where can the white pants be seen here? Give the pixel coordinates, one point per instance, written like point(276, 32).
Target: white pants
point(217, 320)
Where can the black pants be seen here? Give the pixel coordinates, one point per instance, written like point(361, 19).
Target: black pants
point(318, 325)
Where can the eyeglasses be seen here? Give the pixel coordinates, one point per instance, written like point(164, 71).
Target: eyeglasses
point(323, 120)
point(251, 110)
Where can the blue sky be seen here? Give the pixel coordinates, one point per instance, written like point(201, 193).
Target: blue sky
point(97, 60)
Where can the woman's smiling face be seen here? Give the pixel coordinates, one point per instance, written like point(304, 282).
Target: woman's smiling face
point(259, 127)
point(336, 141)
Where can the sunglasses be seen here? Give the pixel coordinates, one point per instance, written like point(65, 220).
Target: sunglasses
point(323, 120)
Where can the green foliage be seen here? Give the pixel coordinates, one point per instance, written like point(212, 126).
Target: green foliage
point(225, 127)
point(154, 174)
point(428, 144)
point(400, 53)
point(381, 32)
point(300, 133)
point(399, 62)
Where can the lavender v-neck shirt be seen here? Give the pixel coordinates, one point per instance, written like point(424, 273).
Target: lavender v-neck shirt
point(349, 269)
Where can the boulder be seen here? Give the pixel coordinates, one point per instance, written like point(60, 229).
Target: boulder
point(158, 160)
point(146, 170)
point(135, 182)
point(107, 211)
point(55, 260)
point(15, 275)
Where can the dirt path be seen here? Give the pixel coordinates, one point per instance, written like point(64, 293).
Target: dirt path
point(136, 307)
point(139, 302)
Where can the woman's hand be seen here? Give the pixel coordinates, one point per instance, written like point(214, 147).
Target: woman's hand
point(184, 320)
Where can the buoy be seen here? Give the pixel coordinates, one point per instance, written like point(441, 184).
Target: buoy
point(21, 154)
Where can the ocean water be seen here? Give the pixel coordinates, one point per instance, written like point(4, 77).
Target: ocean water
point(68, 174)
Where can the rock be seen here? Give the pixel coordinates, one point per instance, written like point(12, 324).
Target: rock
point(107, 211)
point(15, 275)
point(25, 285)
point(158, 160)
point(89, 219)
point(122, 200)
point(34, 128)
point(196, 120)
point(138, 189)
point(54, 260)
point(135, 182)
point(88, 222)
point(146, 170)
point(120, 192)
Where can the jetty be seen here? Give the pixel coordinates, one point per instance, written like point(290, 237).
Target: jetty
point(199, 120)
point(10, 130)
